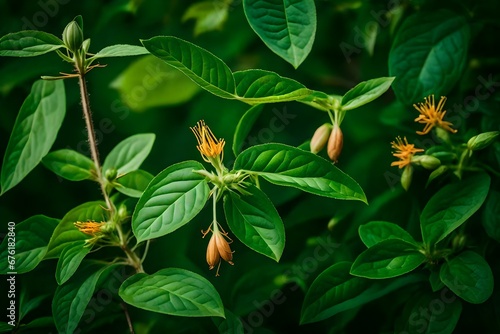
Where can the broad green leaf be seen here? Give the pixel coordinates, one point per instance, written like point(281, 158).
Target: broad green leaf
point(205, 69)
point(31, 238)
point(469, 276)
point(65, 233)
point(254, 220)
point(34, 132)
point(209, 15)
point(129, 154)
point(172, 199)
point(173, 291)
point(332, 287)
point(134, 183)
point(245, 126)
point(150, 82)
point(451, 206)
point(121, 50)
point(231, 324)
point(365, 92)
point(376, 231)
point(69, 260)
point(386, 259)
point(287, 27)
point(28, 43)
point(428, 54)
point(70, 165)
point(289, 166)
point(491, 215)
point(259, 86)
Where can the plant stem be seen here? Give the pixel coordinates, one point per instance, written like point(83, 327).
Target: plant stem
point(129, 321)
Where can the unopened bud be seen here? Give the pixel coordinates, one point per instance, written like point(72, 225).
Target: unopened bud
point(86, 45)
point(320, 137)
point(459, 241)
point(406, 177)
point(73, 36)
point(429, 162)
point(482, 140)
point(122, 212)
point(335, 143)
point(111, 174)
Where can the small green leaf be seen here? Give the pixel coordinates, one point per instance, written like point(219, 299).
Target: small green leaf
point(435, 281)
point(374, 232)
point(491, 215)
point(451, 206)
point(254, 220)
point(173, 291)
point(129, 154)
point(365, 92)
point(436, 173)
point(289, 166)
point(121, 50)
point(482, 140)
point(469, 276)
point(388, 258)
point(34, 132)
point(134, 183)
point(70, 165)
point(245, 126)
point(172, 199)
point(31, 238)
point(69, 260)
point(40, 323)
point(28, 43)
point(287, 27)
point(208, 15)
point(27, 304)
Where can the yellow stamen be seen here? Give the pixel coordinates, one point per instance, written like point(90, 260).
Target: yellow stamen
point(208, 145)
point(431, 116)
point(89, 227)
point(404, 152)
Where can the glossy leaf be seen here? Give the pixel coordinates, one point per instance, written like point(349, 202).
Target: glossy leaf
point(134, 183)
point(69, 260)
point(289, 166)
point(365, 92)
point(491, 215)
point(172, 199)
point(386, 259)
point(31, 240)
point(70, 165)
point(469, 276)
point(287, 27)
point(28, 43)
point(245, 126)
point(451, 206)
point(254, 220)
point(376, 231)
point(121, 50)
point(34, 132)
point(129, 154)
point(173, 291)
point(208, 15)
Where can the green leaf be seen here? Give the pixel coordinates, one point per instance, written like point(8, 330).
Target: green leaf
point(34, 132)
point(209, 15)
point(245, 126)
point(254, 220)
point(289, 166)
point(231, 324)
point(65, 233)
point(5, 327)
point(451, 206)
point(120, 50)
point(287, 27)
point(129, 154)
point(376, 231)
point(469, 276)
point(134, 183)
point(26, 304)
point(31, 238)
point(428, 54)
point(28, 43)
point(69, 260)
point(40, 322)
point(491, 215)
point(205, 69)
point(365, 92)
point(435, 280)
point(331, 288)
point(70, 165)
point(388, 258)
point(172, 199)
point(149, 82)
point(173, 291)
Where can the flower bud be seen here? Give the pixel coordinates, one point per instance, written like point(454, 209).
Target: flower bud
point(73, 36)
point(320, 137)
point(86, 45)
point(111, 174)
point(482, 140)
point(406, 177)
point(335, 143)
point(429, 162)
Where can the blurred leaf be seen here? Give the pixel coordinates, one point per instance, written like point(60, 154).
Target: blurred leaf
point(27, 305)
point(365, 92)
point(28, 43)
point(254, 220)
point(388, 258)
point(232, 324)
point(287, 28)
point(120, 50)
point(173, 291)
point(129, 154)
point(469, 276)
point(376, 231)
point(174, 197)
point(491, 215)
point(5, 327)
point(69, 260)
point(435, 280)
point(35, 130)
point(209, 15)
point(245, 126)
point(69, 164)
point(31, 238)
point(436, 173)
point(39, 322)
point(451, 206)
point(134, 183)
point(289, 166)
point(149, 82)
point(428, 54)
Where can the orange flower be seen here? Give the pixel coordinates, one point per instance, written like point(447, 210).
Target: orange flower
point(208, 145)
point(431, 116)
point(90, 227)
point(218, 247)
point(404, 152)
